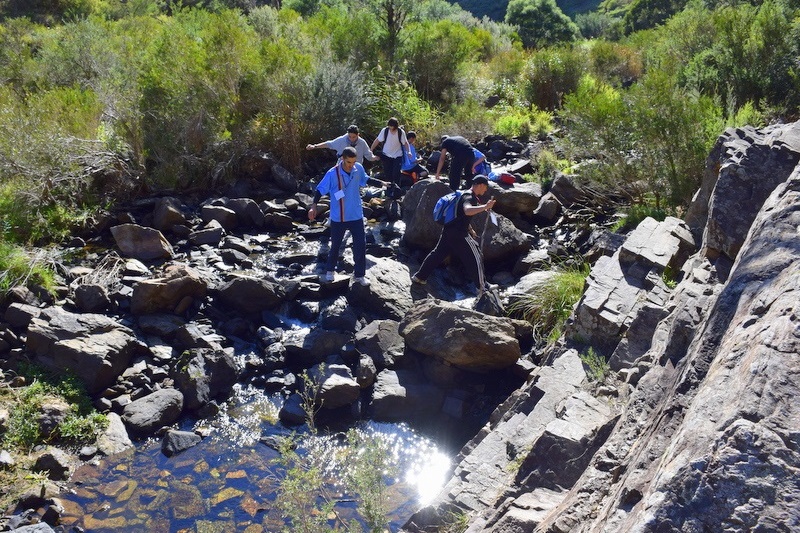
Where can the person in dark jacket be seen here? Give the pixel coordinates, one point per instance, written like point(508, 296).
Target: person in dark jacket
point(462, 158)
point(458, 238)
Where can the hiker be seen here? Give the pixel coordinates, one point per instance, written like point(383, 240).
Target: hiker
point(458, 238)
point(480, 165)
point(351, 139)
point(343, 184)
point(395, 144)
point(411, 166)
point(462, 159)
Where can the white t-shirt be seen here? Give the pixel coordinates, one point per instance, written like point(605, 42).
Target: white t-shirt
point(393, 145)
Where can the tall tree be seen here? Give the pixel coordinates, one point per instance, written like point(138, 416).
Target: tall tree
point(393, 15)
point(540, 22)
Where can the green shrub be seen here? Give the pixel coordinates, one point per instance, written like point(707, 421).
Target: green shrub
point(551, 74)
point(597, 368)
point(633, 215)
point(520, 123)
point(548, 305)
point(541, 22)
point(82, 425)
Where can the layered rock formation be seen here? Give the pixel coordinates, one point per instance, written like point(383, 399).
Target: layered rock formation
point(704, 434)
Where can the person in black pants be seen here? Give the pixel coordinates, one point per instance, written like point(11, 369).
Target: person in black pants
point(458, 238)
point(462, 159)
point(395, 146)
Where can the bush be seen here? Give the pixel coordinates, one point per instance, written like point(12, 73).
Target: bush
point(548, 306)
point(19, 268)
point(541, 23)
point(551, 74)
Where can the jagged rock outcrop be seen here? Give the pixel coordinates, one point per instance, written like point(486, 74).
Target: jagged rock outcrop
point(704, 434)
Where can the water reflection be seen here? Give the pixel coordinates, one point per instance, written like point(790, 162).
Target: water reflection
point(228, 482)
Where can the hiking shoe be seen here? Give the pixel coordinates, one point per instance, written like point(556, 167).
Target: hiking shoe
point(415, 279)
point(364, 282)
point(328, 276)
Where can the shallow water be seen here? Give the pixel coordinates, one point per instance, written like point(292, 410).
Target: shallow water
point(228, 482)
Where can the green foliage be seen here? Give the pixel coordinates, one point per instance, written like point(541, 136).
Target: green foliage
point(645, 14)
point(633, 215)
point(552, 73)
point(548, 165)
point(548, 305)
point(19, 268)
point(401, 100)
point(434, 54)
point(654, 134)
point(597, 368)
point(362, 464)
point(517, 122)
point(540, 22)
point(615, 63)
point(81, 425)
point(595, 24)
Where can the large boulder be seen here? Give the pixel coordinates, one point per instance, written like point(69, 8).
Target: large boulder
point(95, 347)
point(461, 337)
point(744, 167)
point(204, 374)
point(145, 416)
point(253, 295)
point(142, 243)
point(169, 292)
point(403, 395)
point(389, 292)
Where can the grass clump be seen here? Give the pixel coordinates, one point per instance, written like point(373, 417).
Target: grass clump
point(548, 305)
point(81, 425)
point(20, 268)
point(635, 214)
point(597, 368)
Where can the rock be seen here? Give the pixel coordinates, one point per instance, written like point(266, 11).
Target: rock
point(380, 340)
point(91, 298)
point(164, 294)
point(20, 315)
point(115, 437)
point(174, 442)
point(335, 386)
point(145, 416)
point(225, 217)
point(210, 234)
point(142, 243)
point(547, 211)
point(253, 295)
point(167, 213)
point(56, 463)
point(203, 374)
point(520, 198)
point(462, 337)
point(389, 293)
point(247, 212)
point(52, 412)
point(403, 395)
point(95, 347)
point(338, 315)
point(308, 348)
point(292, 412)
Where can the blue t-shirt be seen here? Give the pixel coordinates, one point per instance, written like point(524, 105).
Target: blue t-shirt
point(348, 207)
point(482, 167)
point(408, 164)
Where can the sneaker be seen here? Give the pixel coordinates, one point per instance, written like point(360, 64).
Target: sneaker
point(328, 276)
point(415, 279)
point(364, 282)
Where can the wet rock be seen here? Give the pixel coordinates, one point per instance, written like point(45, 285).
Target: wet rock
point(175, 442)
point(338, 315)
point(307, 348)
point(403, 395)
point(334, 386)
point(203, 374)
point(380, 340)
point(145, 416)
point(253, 295)
point(366, 371)
point(142, 243)
point(248, 213)
point(292, 412)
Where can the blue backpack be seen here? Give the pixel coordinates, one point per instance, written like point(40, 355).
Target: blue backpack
point(446, 209)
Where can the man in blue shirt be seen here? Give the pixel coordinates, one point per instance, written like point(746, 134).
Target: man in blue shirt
point(351, 139)
point(343, 184)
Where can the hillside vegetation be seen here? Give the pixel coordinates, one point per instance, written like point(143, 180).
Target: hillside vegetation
point(104, 99)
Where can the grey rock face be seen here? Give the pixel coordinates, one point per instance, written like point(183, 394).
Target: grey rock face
point(141, 243)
